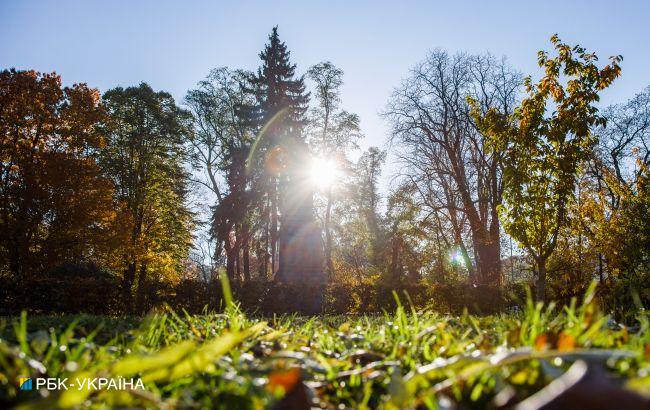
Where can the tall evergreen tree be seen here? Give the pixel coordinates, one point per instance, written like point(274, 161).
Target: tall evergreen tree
point(281, 98)
point(279, 115)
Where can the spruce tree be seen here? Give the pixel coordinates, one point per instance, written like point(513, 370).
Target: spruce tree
point(279, 94)
point(279, 116)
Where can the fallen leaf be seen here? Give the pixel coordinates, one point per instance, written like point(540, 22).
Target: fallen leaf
point(565, 342)
point(541, 342)
point(286, 380)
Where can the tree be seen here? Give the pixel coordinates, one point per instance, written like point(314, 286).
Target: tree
point(55, 205)
point(144, 156)
point(446, 157)
point(407, 243)
point(367, 199)
point(279, 115)
point(624, 144)
point(545, 142)
point(334, 132)
point(219, 148)
point(613, 206)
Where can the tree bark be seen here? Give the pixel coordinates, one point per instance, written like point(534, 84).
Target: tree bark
point(274, 225)
point(485, 240)
point(142, 280)
point(230, 260)
point(265, 255)
point(238, 261)
point(328, 234)
point(395, 274)
point(246, 251)
point(127, 286)
point(540, 291)
point(601, 276)
point(16, 262)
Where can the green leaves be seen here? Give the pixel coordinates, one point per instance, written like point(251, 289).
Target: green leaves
point(544, 143)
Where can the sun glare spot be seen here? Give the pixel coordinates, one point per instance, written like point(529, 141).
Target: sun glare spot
point(323, 172)
point(457, 258)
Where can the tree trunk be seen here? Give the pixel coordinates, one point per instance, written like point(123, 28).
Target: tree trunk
point(230, 260)
point(328, 234)
point(265, 256)
point(16, 262)
point(301, 254)
point(394, 260)
point(274, 226)
point(485, 239)
point(540, 291)
point(127, 286)
point(489, 262)
point(142, 280)
point(238, 261)
point(601, 277)
point(246, 251)
point(246, 263)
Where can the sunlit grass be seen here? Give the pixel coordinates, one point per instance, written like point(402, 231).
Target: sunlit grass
point(397, 360)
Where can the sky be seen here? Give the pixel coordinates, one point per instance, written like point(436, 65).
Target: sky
point(173, 45)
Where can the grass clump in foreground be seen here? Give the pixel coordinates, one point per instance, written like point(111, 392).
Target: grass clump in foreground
point(404, 359)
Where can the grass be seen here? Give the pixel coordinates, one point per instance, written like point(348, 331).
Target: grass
point(397, 360)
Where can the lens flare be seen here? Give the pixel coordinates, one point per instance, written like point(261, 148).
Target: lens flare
point(324, 172)
point(456, 258)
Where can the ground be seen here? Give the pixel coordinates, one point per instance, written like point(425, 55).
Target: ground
point(404, 359)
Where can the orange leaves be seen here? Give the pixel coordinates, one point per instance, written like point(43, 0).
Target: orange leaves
point(542, 342)
point(565, 342)
point(289, 385)
point(558, 341)
point(46, 134)
point(284, 380)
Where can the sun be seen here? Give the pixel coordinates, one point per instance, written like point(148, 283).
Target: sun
point(324, 172)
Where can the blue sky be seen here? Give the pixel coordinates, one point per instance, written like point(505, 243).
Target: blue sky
point(173, 45)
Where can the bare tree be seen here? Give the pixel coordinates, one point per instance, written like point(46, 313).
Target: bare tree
point(624, 143)
point(444, 154)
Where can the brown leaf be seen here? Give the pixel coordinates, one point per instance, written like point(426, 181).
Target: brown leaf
point(541, 342)
point(297, 394)
point(565, 342)
point(286, 380)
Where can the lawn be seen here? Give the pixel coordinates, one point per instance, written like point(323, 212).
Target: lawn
point(403, 359)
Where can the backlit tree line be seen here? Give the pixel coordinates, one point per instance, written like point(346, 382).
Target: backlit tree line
point(502, 179)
